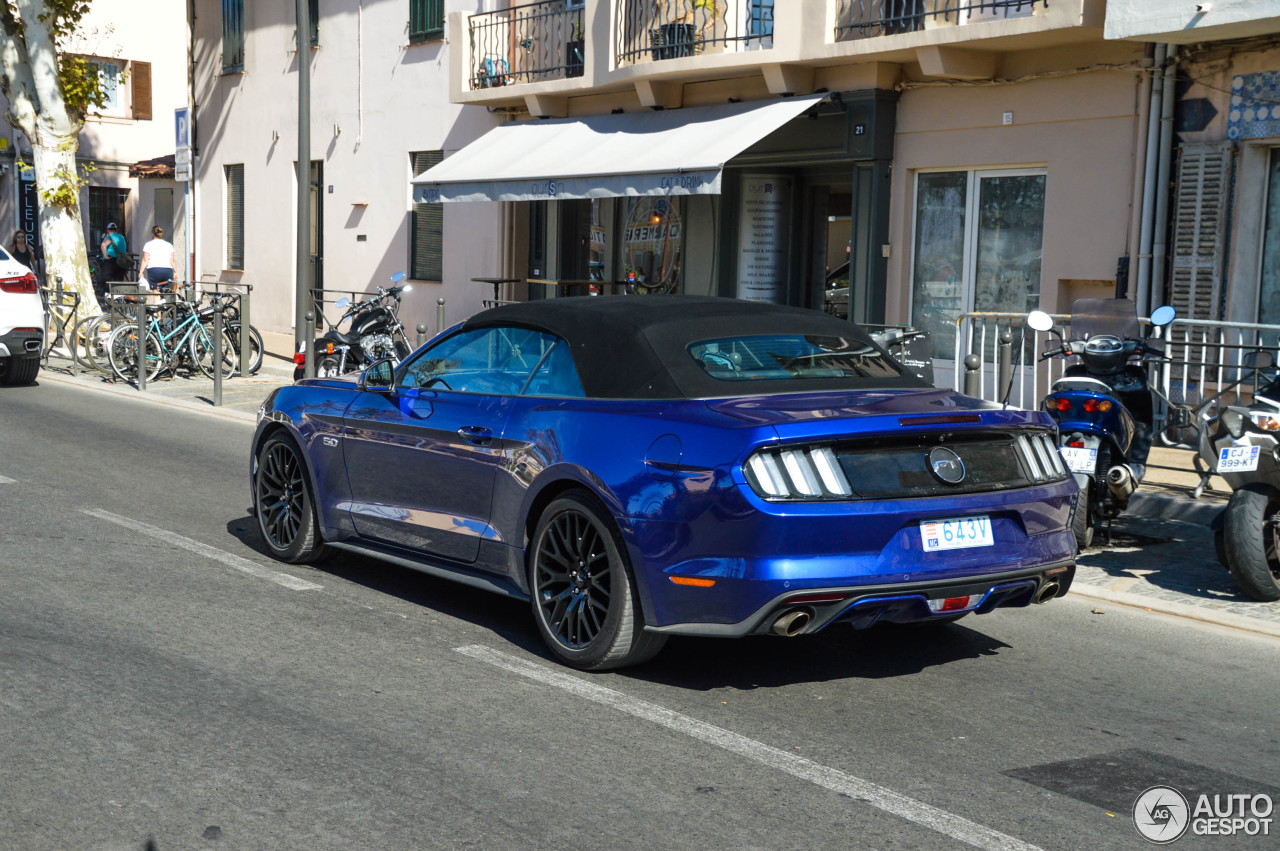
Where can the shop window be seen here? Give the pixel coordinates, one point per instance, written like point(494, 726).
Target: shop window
point(426, 20)
point(426, 227)
point(978, 243)
point(106, 204)
point(235, 215)
point(652, 248)
point(232, 36)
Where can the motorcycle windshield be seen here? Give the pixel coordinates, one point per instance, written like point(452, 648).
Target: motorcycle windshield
point(1115, 316)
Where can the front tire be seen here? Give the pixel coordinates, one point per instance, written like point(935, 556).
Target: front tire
point(584, 594)
point(282, 496)
point(1250, 541)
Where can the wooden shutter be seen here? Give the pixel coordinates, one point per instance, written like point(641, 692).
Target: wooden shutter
point(426, 238)
point(140, 81)
point(235, 216)
point(1199, 229)
point(426, 20)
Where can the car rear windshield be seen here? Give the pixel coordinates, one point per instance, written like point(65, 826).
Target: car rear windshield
point(776, 357)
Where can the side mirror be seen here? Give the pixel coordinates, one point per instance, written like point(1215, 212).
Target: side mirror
point(1040, 321)
point(377, 378)
point(342, 302)
point(1162, 316)
point(398, 277)
point(1260, 360)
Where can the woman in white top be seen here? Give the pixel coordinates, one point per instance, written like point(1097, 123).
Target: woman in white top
point(157, 259)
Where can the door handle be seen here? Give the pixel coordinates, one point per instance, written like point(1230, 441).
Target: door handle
point(478, 435)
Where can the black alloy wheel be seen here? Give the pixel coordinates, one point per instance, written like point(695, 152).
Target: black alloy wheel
point(584, 597)
point(286, 516)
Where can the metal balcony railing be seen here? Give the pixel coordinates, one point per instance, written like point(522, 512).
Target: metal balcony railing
point(527, 44)
point(858, 19)
point(651, 30)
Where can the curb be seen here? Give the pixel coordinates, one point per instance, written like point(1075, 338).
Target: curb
point(177, 404)
point(1182, 610)
point(1162, 506)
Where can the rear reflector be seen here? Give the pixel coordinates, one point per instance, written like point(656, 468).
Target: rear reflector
point(26, 284)
point(830, 597)
point(692, 581)
point(950, 604)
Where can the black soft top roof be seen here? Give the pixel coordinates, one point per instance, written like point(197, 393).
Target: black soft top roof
point(635, 347)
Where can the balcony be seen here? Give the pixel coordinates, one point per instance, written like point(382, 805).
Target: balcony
point(859, 19)
point(537, 57)
point(653, 30)
point(531, 43)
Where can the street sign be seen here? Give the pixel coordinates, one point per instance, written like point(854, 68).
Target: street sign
point(183, 156)
point(182, 173)
point(182, 144)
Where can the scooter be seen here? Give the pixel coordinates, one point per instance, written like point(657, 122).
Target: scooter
point(375, 333)
point(1242, 445)
point(1103, 404)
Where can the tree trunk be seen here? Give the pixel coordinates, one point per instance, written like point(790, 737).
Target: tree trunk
point(61, 233)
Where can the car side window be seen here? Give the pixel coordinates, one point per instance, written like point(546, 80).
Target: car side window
point(557, 376)
point(495, 361)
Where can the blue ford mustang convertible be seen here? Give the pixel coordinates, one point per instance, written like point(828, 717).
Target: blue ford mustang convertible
point(643, 467)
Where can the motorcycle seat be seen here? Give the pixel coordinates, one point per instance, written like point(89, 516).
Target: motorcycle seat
point(343, 338)
point(1081, 382)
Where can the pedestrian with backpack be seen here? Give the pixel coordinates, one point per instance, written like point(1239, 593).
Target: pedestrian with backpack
point(114, 254)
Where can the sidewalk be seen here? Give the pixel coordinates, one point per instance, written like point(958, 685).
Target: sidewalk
point(1161, 557)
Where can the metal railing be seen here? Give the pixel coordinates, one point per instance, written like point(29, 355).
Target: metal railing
point(527, 44)
point(858, 19)
point(652, 30)
point(1206, 365)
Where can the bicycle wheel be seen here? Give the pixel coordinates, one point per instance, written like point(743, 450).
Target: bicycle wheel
point(206, 355)
point(96, 334)
point(122, 351)
point(255, 346)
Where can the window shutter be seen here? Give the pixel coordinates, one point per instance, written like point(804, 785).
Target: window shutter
point(426, 20)
point(140, 80)
point(426, 249)
point(1199, 229)
point(232, 36)
point(235, 216)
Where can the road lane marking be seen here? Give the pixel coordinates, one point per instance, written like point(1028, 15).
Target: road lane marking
point(7, 481)
point(828, 778)
point(233, 561)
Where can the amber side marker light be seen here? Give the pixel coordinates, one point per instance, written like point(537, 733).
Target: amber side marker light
point(693, 581)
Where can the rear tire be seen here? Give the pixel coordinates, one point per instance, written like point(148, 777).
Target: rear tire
point(584, 596)
point(1082, 525)
point(16, 370)
point(255, 346)
point(1250, 539)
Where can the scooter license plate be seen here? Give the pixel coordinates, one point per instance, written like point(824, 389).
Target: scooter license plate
point(1238, 459)
point(956, 533)
point(1079, 459)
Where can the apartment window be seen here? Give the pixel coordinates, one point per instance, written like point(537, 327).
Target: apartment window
point(313, 19)
point(762, 18)
point(426, 227)
point(978, 242)
point(107, 204)
point(109, 75)
point(426, 20)
point(232, 36)
point(235, 215)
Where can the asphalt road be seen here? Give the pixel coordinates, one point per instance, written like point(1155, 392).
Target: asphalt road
point(161, 678)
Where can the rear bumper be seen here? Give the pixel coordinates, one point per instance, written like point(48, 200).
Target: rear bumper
point(906, 602)
point(20, 343)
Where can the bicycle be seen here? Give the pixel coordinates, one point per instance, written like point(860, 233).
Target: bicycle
point(231, 326)
point(176, 336)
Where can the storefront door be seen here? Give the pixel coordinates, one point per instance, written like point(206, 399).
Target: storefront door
point(1269, 285)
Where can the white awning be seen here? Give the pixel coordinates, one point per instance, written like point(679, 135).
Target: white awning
point(668, 152)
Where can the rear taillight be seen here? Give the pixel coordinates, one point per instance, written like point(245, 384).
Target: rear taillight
point(797, 473)
point(25, 284)
point(1040, 456)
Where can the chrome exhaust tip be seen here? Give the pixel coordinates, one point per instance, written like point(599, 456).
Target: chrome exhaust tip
point(32, 345)
point(792, 623)
point(1121, 482)
point(1048, 591)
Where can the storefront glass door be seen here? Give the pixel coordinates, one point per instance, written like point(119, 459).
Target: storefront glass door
point(978, 242)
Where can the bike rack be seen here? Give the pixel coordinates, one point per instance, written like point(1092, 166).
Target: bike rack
point(244, 299)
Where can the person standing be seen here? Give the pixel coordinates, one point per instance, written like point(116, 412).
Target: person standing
point(157, 259)
point(112, 248)
point(25, 253)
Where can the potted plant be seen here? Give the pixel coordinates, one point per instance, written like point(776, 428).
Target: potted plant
point(575, 51)
point(678, 37)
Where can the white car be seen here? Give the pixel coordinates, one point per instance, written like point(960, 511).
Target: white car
point(22, 322)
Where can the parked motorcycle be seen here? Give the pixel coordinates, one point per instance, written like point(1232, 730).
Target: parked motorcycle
point(1103, 404)
point(374, 333)
point(1241, 445)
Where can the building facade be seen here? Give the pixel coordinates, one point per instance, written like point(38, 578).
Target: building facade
point(379, 114)
point(141, 53)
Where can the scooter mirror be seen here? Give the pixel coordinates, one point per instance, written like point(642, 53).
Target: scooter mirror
point(1040, 321)
point(398, 277)
point(1162, 316)
point(342, 302)
point(1260, 360)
